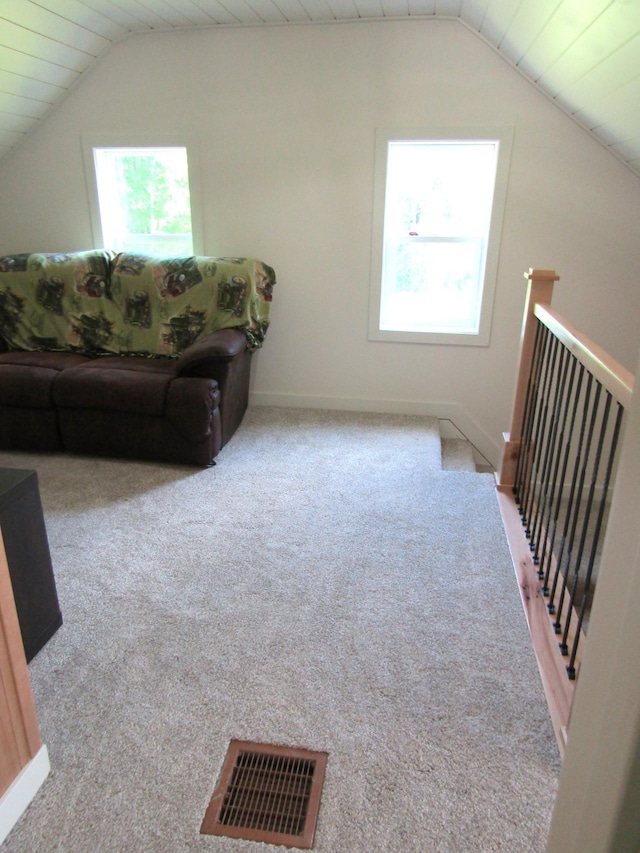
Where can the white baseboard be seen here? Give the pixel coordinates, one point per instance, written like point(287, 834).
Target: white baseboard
point(22, 790)
point(455, 420)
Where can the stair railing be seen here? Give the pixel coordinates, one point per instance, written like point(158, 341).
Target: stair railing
point(555, 481)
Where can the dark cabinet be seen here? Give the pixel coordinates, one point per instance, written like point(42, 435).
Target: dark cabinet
point(28, 558)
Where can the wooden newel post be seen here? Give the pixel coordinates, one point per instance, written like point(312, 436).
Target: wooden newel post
point(539, 290)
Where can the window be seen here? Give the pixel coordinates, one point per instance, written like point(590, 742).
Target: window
point(438, 211)
point(142, 198)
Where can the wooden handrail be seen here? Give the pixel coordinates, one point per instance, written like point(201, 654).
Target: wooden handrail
point(609, 372)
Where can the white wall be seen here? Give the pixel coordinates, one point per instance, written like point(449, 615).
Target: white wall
point(285, 120)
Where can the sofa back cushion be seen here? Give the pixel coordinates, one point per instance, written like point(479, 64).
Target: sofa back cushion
point(97, 302)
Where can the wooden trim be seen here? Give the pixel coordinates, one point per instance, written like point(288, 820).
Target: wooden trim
point(558, 688)
point(539, 290)
point(20, 739)
point(22, 790)
point(510, 452)
point(610, 373)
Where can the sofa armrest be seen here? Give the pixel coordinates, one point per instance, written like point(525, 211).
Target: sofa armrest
point(221, 346)
point(224, 356)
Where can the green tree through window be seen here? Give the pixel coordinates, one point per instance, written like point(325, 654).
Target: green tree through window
point(144, 199)
point(155, 195)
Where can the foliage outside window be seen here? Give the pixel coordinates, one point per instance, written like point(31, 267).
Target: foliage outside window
point(144, 199)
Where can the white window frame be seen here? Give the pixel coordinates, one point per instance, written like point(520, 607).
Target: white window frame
point(121, 140)
point(503, 136)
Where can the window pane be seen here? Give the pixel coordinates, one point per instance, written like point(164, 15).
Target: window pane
point(434, 286)
point(144, 200)
point(437, 214)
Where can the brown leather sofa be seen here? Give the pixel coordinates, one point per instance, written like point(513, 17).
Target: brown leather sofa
point(175, 407)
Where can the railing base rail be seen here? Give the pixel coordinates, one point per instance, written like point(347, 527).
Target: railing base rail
point(558, 688)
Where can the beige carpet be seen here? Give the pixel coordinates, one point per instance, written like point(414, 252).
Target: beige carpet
point(325, 585)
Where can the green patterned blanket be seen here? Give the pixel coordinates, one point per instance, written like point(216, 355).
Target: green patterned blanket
point(99, 302)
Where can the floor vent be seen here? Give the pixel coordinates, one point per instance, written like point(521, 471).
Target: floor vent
point(267, 793)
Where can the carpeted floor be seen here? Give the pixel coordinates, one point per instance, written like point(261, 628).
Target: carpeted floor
point(325, 585)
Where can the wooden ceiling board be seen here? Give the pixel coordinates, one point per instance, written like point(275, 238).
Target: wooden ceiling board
point(346, 9)
point(220, 14)
point(365, 9)
point(473, 13)
point(393, 8)
point(447, 8)
point(292, 11)
point(318, 10)
point(526, 26)
point(142, 13)
point(167, 12)
point(14, 105)
point(29, 66)
point(583, 54)
point(81, 13)
point(43, 47)
point(616, 68)
point(497, 20)
point(18, 123)
point(625, 128)
point(555, 39)
point(194, 13)
point(605, 35)
point(243, 11)
point(108, 9)
point(27, 87)
point(628, 150)
point(39, 19)
point(267, 11)
point(615, 103)
point(422, 7)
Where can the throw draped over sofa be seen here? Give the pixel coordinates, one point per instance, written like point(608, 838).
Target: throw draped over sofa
point(128, 355)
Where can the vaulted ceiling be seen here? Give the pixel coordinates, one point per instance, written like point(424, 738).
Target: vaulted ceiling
point(583, 54)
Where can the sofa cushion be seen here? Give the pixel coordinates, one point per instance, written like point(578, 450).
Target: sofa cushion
point(125, 384)
point(55, 361)
point(26, 387)
point(26, 378)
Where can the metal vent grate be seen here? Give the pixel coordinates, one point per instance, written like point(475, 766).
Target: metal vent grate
point(267, 793)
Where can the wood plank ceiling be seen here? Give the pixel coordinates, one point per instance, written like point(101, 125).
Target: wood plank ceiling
point(583, 54)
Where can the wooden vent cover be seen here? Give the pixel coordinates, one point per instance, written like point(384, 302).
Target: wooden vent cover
point(267, 793)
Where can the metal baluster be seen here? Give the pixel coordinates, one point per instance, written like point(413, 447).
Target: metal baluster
point(596, 536)
point(552, 593)
point(547, 484)
point(587, 514)
point(535, 441)
point(574, 527)
point(574, 392)
point(529, 443)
